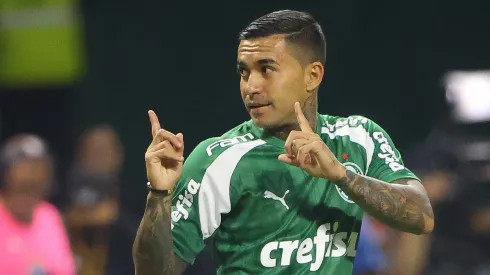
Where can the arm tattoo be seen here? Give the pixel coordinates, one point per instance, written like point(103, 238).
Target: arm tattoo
point(153, 250)
point(403, 204)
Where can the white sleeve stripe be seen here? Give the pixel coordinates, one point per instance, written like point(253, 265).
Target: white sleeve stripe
point(358, 135)
point(214, 194)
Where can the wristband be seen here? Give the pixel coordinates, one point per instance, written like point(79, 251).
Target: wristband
point(157, 191)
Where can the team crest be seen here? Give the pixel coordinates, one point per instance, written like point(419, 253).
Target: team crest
point(353, 168)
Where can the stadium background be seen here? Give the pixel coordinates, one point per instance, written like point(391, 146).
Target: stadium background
point(385, 60)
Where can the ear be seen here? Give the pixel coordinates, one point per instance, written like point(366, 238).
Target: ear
point(313, 75)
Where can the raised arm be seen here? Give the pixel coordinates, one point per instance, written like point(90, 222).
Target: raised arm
point(389, 192)
point(174, 228)
point(153, 249)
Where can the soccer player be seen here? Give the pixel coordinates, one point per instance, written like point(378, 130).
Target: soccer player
point(285, 192)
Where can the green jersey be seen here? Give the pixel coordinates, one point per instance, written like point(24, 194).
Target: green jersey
point(263, 216)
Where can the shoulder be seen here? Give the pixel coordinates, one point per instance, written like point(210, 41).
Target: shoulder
point(212, 165)
point(354, 130)
point(49, 214)
point(47, 209)
point(229, 147)
point(353, 125)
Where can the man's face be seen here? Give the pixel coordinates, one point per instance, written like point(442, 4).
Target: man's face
point(272, 80)
point(26, 185)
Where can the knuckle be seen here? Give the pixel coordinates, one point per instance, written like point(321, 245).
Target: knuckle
point(161, 133)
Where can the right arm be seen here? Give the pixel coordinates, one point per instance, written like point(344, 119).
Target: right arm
point(153, 250)
point(175, 227)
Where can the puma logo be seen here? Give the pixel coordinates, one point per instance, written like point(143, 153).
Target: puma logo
point(270, 195)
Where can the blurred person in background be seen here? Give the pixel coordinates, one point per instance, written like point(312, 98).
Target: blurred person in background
point(454, 164)
point(457, 179)
point(93, 198)
point(370, 256)
point(33, 240)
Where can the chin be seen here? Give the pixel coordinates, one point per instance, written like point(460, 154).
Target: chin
point(264, 123)
point(23, 216)
point(259, 122)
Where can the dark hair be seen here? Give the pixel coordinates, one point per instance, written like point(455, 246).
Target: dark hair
point(299, 28)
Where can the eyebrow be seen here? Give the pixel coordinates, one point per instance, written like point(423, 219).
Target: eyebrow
point(264, 61)
point(267, 61)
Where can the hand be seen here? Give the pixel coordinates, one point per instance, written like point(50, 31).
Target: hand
point(164, 157)
point(305, 149)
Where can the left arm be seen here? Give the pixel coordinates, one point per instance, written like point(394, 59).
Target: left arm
point(403, 204)
point(389, 192)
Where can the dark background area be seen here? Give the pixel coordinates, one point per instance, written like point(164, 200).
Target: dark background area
point(385, 60)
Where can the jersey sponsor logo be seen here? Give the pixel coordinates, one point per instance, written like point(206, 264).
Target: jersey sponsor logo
point(185, 201)
point(387, 152)
point(228, 142)
point(270, 195)
point(351, 121)
point(327, 243)
point(353, 168)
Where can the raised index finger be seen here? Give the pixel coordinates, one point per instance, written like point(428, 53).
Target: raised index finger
point(155, 124)
point(304, 125)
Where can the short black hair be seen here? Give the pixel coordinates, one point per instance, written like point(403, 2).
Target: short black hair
point(299, 28)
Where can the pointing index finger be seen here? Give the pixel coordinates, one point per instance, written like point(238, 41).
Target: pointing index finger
point(304, 125)
point(155, 124)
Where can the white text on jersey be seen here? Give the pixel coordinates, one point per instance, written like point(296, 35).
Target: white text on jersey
point(350, 121)
point(326, 243)
point(185, 202)
point(228, 142)
point(387, 153)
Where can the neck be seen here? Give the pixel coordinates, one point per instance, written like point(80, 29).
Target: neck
point(18, 218)
point(310, 109)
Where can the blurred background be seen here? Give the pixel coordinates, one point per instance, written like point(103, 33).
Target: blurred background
point(81, 74)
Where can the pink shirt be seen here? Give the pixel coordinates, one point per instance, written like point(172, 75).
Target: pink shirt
point(37, 249)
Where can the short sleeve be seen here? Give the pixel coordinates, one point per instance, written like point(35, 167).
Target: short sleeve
point(207, 190)
point(385, 162)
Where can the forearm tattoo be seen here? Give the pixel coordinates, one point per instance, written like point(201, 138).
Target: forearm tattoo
point(153, 251)
point(402, 204)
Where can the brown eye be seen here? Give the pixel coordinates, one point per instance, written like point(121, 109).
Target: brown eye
point(242, 72)
point(267, 69)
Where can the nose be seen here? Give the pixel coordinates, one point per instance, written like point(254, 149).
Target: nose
point(255, 84)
